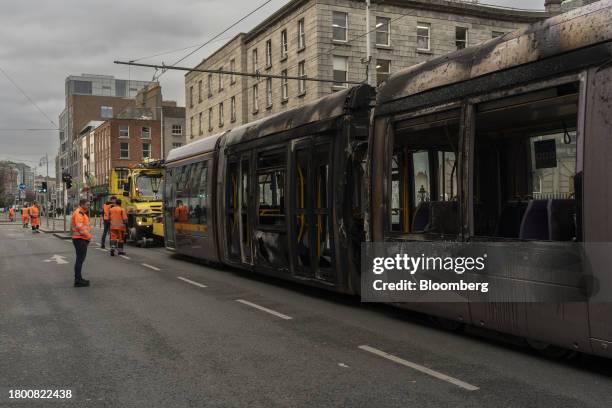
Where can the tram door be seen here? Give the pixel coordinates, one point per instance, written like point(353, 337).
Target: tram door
point(169, 192)
point(311, 235)
point(237, 208)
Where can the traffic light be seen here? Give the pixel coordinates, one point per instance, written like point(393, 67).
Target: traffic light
point(67, 179)
point(43, 187)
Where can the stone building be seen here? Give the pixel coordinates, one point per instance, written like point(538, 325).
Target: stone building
point(327, 39)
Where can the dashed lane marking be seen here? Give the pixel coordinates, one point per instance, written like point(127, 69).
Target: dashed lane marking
point(191, 282)
point(125, 257)
point(264, 309)
point(102, 249)
point(420, 368)
point(151, 267)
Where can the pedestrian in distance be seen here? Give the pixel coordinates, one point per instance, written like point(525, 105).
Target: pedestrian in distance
point(106, 218)
point(118, 227)
point(11, 214)
point(81, 236)
point(35, 217)
point(25, 216)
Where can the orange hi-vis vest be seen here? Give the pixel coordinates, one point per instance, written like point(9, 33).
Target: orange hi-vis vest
point(106, 210)
point(34, 212)
point(25, 212)
point(11, 212)
point(118, 217)
point(79, 223)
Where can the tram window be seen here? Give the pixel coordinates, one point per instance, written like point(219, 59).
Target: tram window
point(424, 198)
point(271, 168)
point(525, 166)
point(321, 160)
point(181, 207)
point(194, 185)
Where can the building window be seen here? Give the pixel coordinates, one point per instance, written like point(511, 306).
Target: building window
point(200, 130)
point(461, 37)
point(210, 119)
point(255, 61)
point(255, 98)
point(383, 31)
point(301, 33)
point(232, 68)
point(383, 69)
point(423, 37)
point(146, 150)
point(177, 130)
point(124, 131)
point(220, 79)
point(302, 74)
point(210, 85)
point(284, 85)
point(176, 144)
point(191, 96)
point(221, 120)
point(268, 92)
point(124, 150)
point(83, 87)
point(340, 71)
point(191, 127)
point(340, 26)
point(233, 109)
point(106, 112)
point(145, 132)
point(200, 91)
point(268, 53)
point(283, 44)
point(496, 34)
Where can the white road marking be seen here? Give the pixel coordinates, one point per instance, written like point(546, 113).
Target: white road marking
point(58, 259)
point(422, 369)
point(264, 309)
point(343, 365)
point(102, 249)
point(98, 244)
point(192, 282)
point(151, 267)
point(125, 257)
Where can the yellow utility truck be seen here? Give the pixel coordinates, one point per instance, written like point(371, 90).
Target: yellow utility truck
point(139, 188)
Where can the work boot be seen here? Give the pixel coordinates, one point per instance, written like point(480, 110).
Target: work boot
point(83, 283)
point(112, 252)
point(103, 246)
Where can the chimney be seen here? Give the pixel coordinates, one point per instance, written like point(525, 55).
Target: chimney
point(553, 6)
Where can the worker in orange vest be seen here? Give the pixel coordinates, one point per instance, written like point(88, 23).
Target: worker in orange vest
point(35, 217)
point(25, 216)
point(118, 227)
point(11, 214)
point(181, 212)
point(106, 218)
point(81, 236)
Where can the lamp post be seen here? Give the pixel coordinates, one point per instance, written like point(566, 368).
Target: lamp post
point(46, 193)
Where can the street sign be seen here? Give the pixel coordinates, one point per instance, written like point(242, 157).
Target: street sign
point(22, 186)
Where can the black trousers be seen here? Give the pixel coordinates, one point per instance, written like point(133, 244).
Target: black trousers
point(80, 245)
point(105, 231)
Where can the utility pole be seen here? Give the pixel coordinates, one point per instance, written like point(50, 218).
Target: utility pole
point(370, 78)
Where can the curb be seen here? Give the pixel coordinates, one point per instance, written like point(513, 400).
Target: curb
point(61, 235)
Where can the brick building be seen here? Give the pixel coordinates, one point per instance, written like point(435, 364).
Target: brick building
point(327, 39)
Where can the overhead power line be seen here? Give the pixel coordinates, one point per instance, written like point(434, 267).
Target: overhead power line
point(27, 130)
point(237, 73)
point(217, 36)
point(27, 97)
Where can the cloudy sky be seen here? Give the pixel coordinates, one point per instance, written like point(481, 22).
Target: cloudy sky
point(42, 42)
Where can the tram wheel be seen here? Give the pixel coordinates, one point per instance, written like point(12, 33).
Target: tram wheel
point(548, 350)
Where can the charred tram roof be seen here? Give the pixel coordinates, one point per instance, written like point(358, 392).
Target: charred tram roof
point(586, 30)
point(321, 112)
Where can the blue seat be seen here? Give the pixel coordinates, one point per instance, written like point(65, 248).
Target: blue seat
point(562, 219)
point(535, 223)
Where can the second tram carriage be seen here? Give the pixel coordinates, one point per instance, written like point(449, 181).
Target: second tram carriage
point(506, 142)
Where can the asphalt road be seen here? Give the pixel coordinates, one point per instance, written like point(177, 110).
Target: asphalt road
point(157, 331)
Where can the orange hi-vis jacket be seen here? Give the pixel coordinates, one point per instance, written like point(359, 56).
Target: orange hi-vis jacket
point(25, 214)
point(181, 214)
point(106, 211)
point(11, 212)
point(79, 223)
point(34, 216)
point(118, 217)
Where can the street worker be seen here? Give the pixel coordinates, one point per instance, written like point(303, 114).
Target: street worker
point(181, 212)
point(35, 217)
point(81, 236)
point(118, 227)
point(11, 214)
point(106, 218)
point(25, 216)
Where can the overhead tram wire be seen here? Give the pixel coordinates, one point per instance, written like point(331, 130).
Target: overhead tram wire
point(175, 50)
point(217, 36)
point(27, 97)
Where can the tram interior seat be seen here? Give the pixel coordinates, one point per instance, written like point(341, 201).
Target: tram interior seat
point(549, 220)
point(510, 219)
point(421, 217)
point(444, 217)
point(535, 221)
